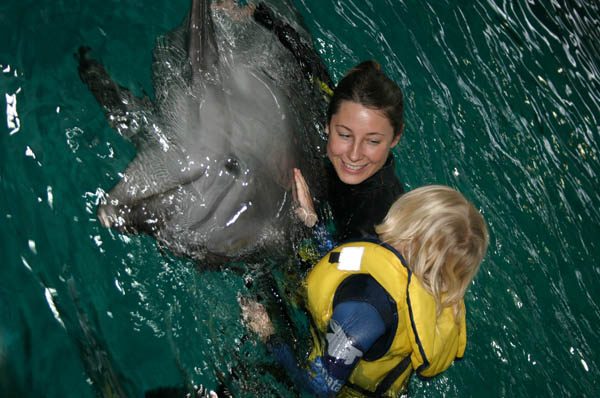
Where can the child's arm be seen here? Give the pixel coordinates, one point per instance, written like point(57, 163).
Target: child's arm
point(353, 329)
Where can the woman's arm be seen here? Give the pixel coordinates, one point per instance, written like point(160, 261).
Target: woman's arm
point(308, 59)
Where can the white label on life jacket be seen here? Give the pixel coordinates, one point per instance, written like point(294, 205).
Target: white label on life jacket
point(350, 258)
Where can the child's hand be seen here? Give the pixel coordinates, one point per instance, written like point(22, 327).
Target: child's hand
point(255, 318)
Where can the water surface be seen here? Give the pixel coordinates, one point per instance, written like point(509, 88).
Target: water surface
point(502, 103)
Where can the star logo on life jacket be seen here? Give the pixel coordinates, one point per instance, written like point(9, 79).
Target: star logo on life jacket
point(340, 346)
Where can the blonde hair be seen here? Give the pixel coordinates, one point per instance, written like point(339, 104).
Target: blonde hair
point(442, 237)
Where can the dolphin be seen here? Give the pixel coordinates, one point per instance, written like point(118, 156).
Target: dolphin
point(232, 115)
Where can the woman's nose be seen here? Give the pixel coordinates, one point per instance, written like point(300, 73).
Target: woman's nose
point(354, 153)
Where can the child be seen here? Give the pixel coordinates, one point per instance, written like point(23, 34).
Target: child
point(387, 307)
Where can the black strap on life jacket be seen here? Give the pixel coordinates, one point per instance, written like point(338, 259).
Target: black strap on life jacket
point(384, 384)
point(392, 376)
point(334, 257)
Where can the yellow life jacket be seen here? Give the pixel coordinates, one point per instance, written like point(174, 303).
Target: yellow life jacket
point(423, 341)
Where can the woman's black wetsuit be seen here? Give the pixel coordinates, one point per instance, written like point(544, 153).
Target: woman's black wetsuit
point(358, 208)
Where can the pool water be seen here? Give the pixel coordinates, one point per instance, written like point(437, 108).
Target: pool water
point(501, 102)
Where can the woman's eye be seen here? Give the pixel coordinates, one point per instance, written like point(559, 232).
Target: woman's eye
point(374, 142)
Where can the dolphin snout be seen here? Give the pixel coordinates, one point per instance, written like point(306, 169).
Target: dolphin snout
point(106, 215)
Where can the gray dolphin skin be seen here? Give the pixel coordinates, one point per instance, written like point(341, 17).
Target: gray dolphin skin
point(232, 114)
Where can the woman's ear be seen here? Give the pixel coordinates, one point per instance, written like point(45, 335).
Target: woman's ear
point(395, 140)
point(398, 135)
point(327, 130)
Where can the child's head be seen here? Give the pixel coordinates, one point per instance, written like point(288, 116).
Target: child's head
point(443, 238)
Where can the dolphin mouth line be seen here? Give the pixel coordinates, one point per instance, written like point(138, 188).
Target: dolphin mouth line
point(115, 219)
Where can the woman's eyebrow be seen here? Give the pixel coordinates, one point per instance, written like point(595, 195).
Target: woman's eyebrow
point(343, 126)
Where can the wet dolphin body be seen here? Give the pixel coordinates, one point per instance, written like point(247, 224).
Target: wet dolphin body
point(232, 115)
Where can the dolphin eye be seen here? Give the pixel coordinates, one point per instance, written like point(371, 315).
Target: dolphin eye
point(233, 166)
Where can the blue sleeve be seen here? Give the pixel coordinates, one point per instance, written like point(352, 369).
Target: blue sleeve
point(353, 329)
point(323, 238)
point(312, 249)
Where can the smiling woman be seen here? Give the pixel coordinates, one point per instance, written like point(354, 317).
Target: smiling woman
point(365, 121)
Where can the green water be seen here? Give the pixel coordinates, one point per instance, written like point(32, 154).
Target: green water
point(501, 102)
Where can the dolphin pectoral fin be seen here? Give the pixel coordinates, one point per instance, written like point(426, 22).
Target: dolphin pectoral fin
point(202, 46)
point(125, 112)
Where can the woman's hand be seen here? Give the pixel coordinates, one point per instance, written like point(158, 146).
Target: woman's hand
point(255, 318)
point(305, 209)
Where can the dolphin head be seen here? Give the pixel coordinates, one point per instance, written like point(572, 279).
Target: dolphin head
point(213, 171)
point(219, 181)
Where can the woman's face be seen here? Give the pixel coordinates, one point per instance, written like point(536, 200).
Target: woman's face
point(359, 141)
